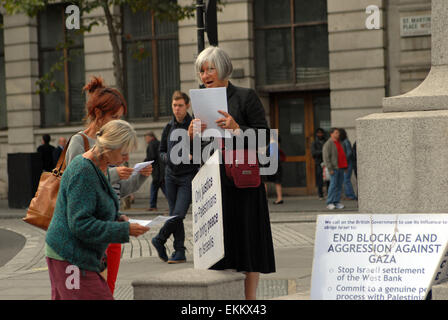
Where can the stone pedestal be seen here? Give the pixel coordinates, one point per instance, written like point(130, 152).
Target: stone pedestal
point(402, 152)
point(440, 291)
point(403, 162)
point(191, 284)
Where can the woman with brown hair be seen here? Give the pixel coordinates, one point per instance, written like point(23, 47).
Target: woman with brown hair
point(104, 105)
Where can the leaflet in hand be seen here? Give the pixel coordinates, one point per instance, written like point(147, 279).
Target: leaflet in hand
point(206, 103)
point(159, 220)
point(139, 166)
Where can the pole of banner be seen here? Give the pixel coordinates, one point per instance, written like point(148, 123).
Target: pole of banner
point(200, 24)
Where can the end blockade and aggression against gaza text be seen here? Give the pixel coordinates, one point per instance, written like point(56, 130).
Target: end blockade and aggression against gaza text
point(384, 243)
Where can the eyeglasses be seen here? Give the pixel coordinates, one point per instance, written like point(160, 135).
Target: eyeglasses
point(209, 71)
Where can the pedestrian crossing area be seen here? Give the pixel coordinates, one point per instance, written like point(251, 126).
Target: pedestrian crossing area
point(284, 235)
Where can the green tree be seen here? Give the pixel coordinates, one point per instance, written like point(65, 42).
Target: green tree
point(163, 10)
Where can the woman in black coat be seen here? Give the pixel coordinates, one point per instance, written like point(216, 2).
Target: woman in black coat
point(247, 232)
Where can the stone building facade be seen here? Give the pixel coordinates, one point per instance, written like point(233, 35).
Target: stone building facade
point(313, 63)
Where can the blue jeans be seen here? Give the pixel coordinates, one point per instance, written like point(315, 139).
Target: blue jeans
point(178, 192)
point(154, 192)
point(348, 188)
point(335, 190)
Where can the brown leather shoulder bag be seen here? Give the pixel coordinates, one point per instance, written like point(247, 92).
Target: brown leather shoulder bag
point(41, 208)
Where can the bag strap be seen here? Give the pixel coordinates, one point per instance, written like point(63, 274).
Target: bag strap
point(61, 165)
point(86, 142)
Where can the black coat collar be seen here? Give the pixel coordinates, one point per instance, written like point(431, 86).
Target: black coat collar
point(186, 120)
point(231, 89)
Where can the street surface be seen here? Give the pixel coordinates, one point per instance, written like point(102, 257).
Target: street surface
point(25, 276)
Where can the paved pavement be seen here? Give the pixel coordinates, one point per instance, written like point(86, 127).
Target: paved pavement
point(10, 244)
point(25, 276)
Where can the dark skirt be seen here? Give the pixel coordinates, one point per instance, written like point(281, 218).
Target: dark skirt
point(276, 177)
point(247, 231)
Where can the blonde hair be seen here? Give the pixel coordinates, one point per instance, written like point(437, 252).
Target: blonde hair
point(116, 134)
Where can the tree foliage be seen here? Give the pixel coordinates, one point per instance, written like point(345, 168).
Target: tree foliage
point(162, 9)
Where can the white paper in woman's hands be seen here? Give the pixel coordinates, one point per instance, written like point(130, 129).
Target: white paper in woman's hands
point(159, 220)
point(139, 166)
point(206, 103)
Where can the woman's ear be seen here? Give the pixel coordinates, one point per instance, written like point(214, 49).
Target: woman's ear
point(98, 120)
point(97, 113)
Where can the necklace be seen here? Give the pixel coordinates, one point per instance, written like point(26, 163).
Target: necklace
point(393, 242)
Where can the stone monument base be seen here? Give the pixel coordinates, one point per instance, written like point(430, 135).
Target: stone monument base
point(191, 284)
point(440, 291)
point(403, 162)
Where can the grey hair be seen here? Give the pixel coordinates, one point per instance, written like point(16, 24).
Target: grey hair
point(116, 134)
point(216, 57)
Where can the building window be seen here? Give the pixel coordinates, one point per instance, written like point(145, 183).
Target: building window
point(151, 50)
point(291, 39)
point(3, 116)
point(66, 105)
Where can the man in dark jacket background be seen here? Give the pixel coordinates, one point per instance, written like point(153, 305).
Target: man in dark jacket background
point(316, 151)
point(158, 169)
point(178, 178)
point(62, 142)
point(46, 152)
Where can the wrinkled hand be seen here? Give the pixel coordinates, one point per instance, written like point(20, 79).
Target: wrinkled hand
point(227, 122)
point(136, 230)
point(146, 171)
point(124, 172)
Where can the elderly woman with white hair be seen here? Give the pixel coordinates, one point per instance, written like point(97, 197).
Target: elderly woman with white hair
point(247, 233)
point(86, 218)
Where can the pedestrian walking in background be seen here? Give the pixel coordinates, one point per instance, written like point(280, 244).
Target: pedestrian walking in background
point(346, 145)
point(158, 169)
point(316, 152)
point(247, 232)
point(86, 218)
point(62, 142)
point(46, 152)
point(104, 105)
point(177, 182)
point(276, 178)
point(336, 162)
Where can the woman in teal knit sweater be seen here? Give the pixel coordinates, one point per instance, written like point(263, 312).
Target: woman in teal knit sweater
point(86, 217)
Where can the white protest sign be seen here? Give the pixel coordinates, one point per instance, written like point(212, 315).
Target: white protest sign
point(379, 257)
point(208, 239)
